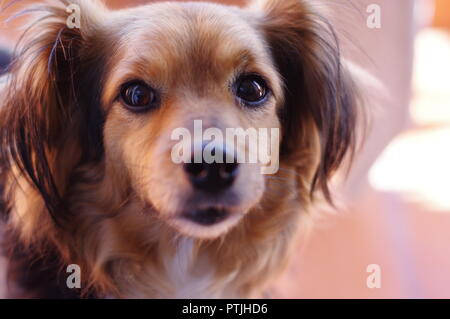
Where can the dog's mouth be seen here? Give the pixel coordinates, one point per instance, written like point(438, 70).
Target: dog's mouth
point(206, 223)
point(207, 217)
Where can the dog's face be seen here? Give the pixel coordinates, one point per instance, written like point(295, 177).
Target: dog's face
point(176, 64)
point(121, 85)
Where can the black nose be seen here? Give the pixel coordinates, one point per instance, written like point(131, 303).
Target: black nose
point(214, 177)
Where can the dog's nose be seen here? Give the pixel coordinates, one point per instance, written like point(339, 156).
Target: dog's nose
point(214, 177)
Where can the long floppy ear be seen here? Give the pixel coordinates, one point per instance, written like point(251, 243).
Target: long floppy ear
point(50, 114)
point(318, 89)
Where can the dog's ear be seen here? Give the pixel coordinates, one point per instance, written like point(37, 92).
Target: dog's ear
point(50, 115)
point(319, 94)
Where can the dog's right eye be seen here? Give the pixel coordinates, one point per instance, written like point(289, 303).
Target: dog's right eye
point(139, 97)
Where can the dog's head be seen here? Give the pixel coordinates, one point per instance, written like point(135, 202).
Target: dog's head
point(142, 92)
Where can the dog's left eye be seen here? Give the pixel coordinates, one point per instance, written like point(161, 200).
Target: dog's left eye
point(251, 89)
point(138, 96)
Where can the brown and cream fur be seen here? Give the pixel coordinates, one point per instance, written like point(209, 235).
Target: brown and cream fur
point(86, 182)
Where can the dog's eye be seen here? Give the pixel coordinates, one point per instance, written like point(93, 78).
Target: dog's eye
point(251, 89)
point(138, 96)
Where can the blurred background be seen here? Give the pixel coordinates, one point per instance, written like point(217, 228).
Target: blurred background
point(394, 207)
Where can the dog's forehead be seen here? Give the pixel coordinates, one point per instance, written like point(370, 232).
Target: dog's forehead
point(202, 35)
point(184, 21)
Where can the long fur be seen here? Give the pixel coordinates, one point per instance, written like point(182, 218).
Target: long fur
point(69, 196)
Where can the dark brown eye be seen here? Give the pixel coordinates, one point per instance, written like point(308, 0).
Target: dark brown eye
point(138, 96)
point(251, 90)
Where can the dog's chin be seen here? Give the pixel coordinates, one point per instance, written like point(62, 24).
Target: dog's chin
point(209, 223)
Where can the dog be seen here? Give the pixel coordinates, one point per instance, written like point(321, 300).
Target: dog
point(87, 175)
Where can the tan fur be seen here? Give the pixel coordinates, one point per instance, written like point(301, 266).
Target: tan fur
point(121, 228)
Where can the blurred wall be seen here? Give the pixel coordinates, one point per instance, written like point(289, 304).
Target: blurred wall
point(442, 17)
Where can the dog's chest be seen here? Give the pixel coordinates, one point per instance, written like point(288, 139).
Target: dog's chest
point(189, 276)
point(192, 275)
